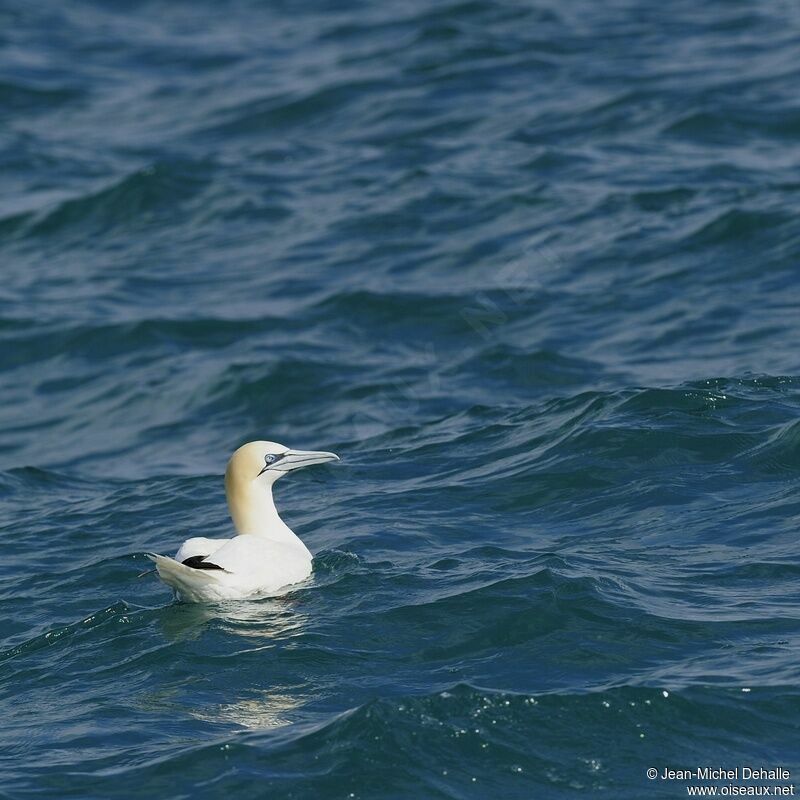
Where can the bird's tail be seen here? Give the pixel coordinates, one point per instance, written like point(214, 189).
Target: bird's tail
point(189, 583)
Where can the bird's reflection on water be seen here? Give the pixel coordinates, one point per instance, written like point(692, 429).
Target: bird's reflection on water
point(248, 627)
point(267, 709)
point(273, 618)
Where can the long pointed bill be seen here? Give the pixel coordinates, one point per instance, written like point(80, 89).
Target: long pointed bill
point(294, 459)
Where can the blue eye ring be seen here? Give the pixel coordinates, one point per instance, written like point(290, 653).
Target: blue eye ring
point(269, 460)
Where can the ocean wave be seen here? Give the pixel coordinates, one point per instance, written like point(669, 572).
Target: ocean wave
point(464, 741)
point(530, 271)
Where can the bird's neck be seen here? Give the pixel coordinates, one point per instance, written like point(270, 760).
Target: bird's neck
point(253, 512)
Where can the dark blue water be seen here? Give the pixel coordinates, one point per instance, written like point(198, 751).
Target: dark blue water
point(530, 268)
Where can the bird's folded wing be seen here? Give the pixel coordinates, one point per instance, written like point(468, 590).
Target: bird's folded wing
point(262, 561)
point(199, 546)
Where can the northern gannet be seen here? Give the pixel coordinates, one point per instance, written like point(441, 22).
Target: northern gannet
point(266, 555)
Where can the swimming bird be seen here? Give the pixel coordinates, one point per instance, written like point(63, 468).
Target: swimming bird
point(265, 556)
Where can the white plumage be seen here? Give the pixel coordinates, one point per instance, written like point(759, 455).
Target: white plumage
point(265, 556)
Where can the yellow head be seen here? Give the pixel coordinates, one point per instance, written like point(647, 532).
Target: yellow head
point(252, 470)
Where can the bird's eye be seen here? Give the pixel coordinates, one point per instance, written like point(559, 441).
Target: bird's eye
point(269, 458)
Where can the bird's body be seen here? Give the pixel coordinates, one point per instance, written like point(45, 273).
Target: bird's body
point(265, 556)
point(249, 566)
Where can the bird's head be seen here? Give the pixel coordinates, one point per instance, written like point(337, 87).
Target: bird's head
point(265, 462)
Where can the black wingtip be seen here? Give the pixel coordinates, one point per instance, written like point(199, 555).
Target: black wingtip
point(198, 562)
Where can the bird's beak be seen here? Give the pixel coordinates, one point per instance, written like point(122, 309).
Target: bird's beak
point(294, 459)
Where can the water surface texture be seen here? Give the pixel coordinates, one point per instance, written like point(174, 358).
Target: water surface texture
point(530, 268)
